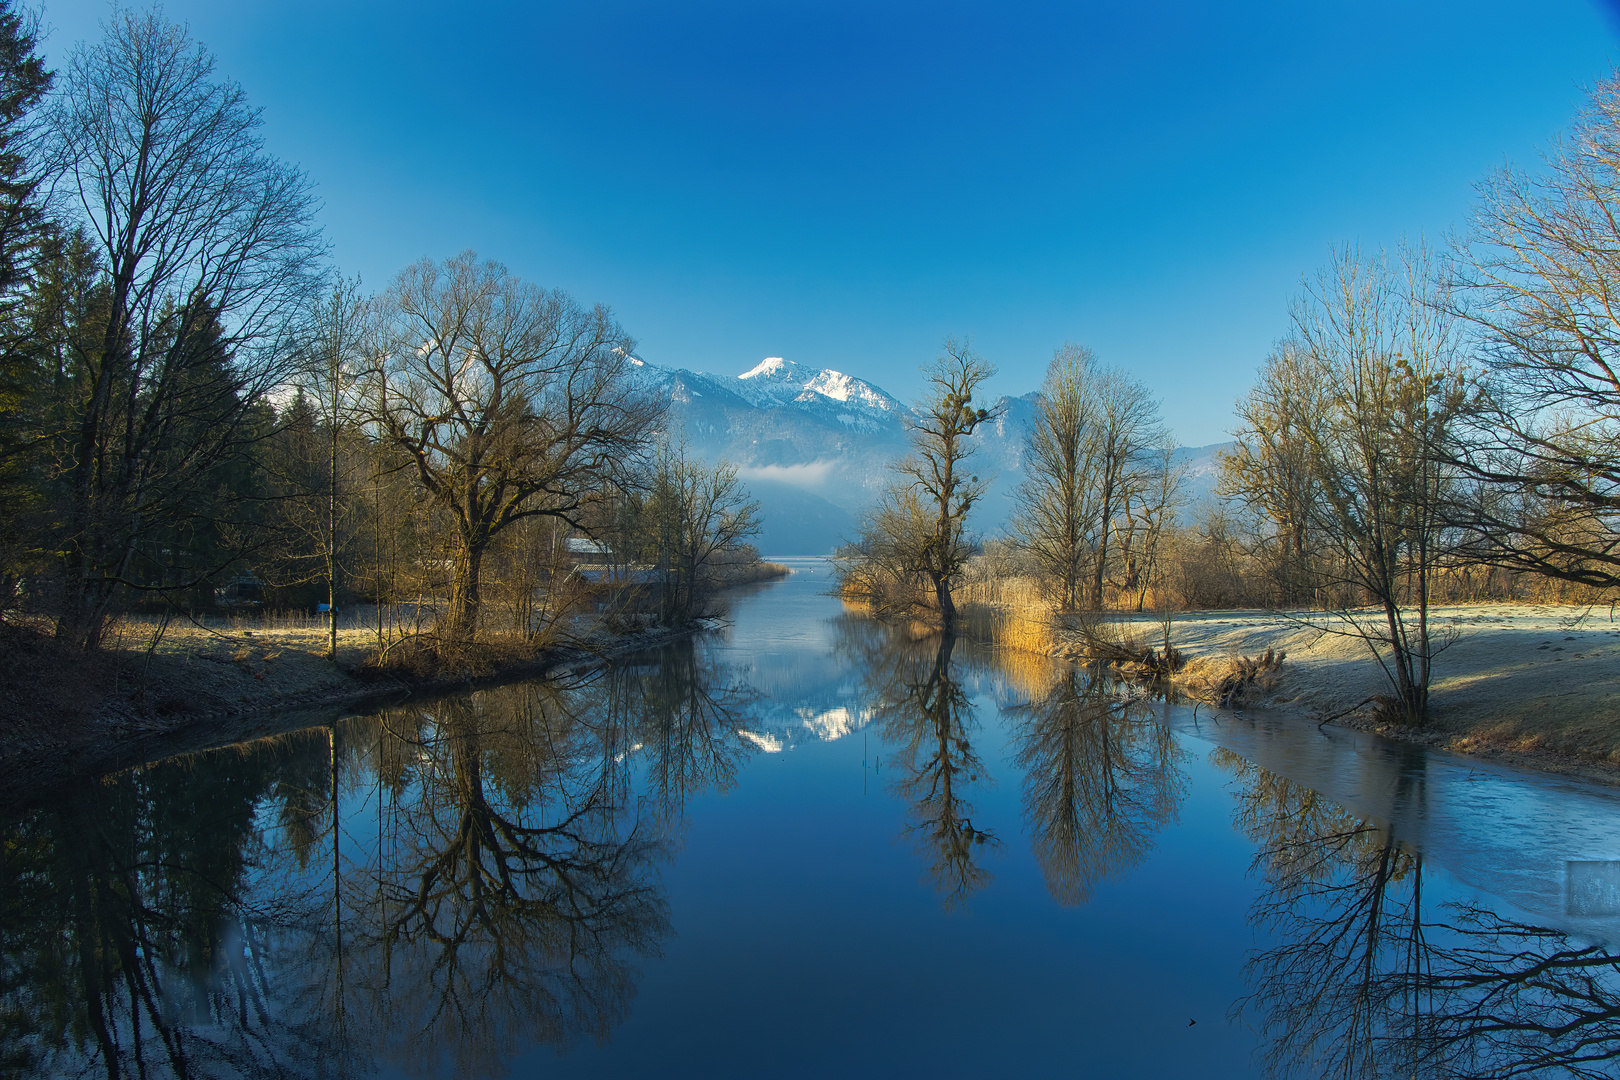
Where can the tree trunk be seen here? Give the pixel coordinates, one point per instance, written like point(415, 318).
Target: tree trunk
point(464, 596)
point(88, 598)
point(947, 606)
point(331, 533)
point(1102, 555)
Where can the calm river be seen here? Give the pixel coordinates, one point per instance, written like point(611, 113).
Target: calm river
point(808, 845)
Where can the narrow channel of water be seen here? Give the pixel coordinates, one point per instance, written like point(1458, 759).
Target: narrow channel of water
point(811, 845)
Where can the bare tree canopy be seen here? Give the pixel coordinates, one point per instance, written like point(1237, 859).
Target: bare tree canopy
point(919, 528)
point(321, 480)
point(511, 401)
point(1093, 482)
point(205, 245)
point(1343, 440)
point(686, 515)
point(1057, 515)
point(1539, 278)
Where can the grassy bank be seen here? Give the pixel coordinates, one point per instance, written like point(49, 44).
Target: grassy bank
point(64, 712)
point(1530, 684)
point(68, 713)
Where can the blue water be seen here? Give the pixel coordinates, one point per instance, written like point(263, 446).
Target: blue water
point(807, 844)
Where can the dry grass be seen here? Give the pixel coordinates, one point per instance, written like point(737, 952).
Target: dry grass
point(725, 575)
point(1228, 681)
point(1008, 613)
point(1535, 683)
point(1006, 627)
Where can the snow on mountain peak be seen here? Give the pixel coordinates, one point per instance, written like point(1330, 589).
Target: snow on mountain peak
point(772, 367)
point(775, 381)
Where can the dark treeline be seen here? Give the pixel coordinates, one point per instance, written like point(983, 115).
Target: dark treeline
point(195, 409)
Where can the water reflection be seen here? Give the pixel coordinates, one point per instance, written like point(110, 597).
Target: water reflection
point(1100, 780)
point(126, 929)
point(506, 889)
point(442, 887)
point(1364, 979)
point(676, 717)
point(927, 720)
point(435, 888)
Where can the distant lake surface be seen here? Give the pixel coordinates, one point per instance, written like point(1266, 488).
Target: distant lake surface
point(811, 844)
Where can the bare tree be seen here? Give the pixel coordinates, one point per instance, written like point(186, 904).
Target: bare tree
point(337, 351)
point(1367, 394)
point(1149, 511)
point(1090, 466)
point(689, 514)
point(919, 528)
point(1538, 280)
point(1127, 430)
point(1056, 513)
point(323, 449)
point(511, 401)
point(1269, 470)
point(207, 246)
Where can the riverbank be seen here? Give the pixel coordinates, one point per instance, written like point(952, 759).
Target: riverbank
point(63, 713)
point(727, 575)
point(1527, 684)
point(148, 693)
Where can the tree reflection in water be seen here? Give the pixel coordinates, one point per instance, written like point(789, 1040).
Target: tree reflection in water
point(511, 891)
point(125, 930)
point(927, 717)
point(442, 885)
point(1100, 779)
point(673, 716)
point(1361, 980)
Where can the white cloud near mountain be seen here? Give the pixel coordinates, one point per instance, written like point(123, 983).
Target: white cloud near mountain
point(810, 474)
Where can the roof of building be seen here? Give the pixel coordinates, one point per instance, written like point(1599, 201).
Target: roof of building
point(620, 575)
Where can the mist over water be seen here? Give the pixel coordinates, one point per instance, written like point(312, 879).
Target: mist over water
point(810, 844)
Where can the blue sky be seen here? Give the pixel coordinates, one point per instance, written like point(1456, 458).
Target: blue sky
point(847, 184)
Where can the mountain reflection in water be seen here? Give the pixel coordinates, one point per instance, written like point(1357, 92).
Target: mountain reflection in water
point(442, 887)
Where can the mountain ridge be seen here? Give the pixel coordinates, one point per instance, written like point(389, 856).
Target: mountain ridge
point(815, 445)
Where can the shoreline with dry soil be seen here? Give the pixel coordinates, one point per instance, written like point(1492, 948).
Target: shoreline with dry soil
point(203, 688)
point(1533, 685)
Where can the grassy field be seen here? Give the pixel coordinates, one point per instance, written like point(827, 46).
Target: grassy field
point(1535, 684)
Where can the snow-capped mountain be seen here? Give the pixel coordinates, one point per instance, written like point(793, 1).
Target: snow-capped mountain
point(814, 445)
point(775, 383)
